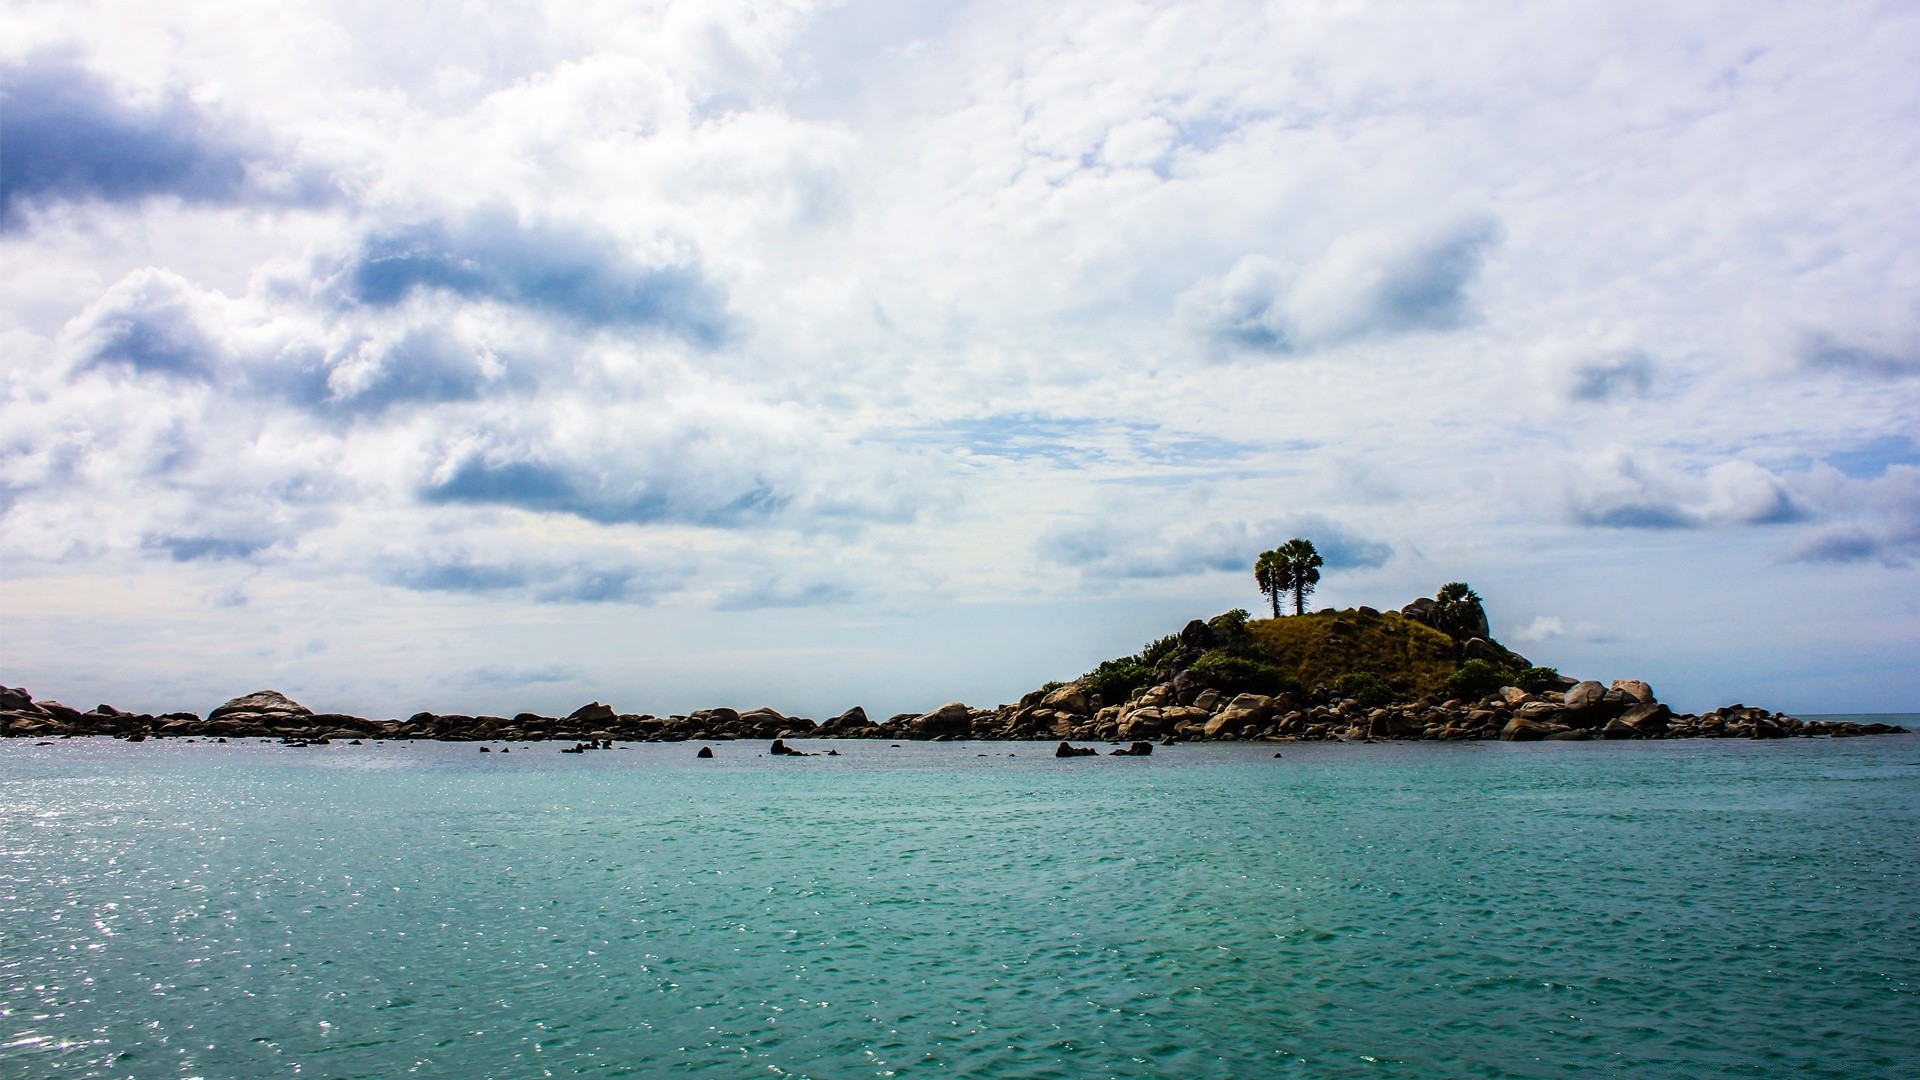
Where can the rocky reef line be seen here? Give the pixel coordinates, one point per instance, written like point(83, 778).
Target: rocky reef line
point(1166, 711)
point(1389, 676)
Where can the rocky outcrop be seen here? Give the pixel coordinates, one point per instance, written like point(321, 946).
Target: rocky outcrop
point(1181, 707)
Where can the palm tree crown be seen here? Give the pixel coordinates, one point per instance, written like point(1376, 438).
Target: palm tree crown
point(1274, 575)
point(1303, 563)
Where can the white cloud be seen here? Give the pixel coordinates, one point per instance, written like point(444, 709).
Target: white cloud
point(745, 307)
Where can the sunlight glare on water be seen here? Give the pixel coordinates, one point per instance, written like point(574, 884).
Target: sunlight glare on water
point(1684, 909)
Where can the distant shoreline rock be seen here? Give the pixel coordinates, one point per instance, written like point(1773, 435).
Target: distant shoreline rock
point(1173, 710)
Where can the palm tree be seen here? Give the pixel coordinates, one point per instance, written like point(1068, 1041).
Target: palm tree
point(1457, 611)
point(1274, 576)
point(1303, 570)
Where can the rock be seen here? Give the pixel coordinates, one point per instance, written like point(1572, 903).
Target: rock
point(15, 700)
point(1648, 719)
point(1420, 611)
point(855, 717)
point(705, 752)
point(1521, 729)
point(1584, 695)
point(1197, 634)
point(781, 749)
point(1068, 699)
point(1069, 750)
point(1366, 612)
point(1479, 648)
point(1151, 721)
point(953, 719)
point(1209, 700)
point(1244, 711)
point(592, 713)
point(1138, 749)
point(261, 703)
point(1513, 695)
point(1640, 692)
point(1568, 735)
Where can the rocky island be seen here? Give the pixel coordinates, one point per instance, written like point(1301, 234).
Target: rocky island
point(1430, 671)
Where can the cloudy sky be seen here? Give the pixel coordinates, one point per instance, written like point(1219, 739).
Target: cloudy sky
point(491, 355)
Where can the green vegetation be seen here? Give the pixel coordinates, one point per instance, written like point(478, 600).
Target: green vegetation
point(1457, 612)
point(1274, 577)
point(1476, 679)
point(1232, 674)
point(1536, 680)
point(1374, 658)
point(1368, 690)
point(1303, 564)
point(1116, 680)
point(1319, 650)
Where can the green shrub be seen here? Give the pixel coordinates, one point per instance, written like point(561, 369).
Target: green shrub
point(1457, 612)
point(1367, 690)
point(1116, 680)
point(1157, 652)
point(1476, 679)
point(1538, 680)
point(1230, 626)
point(1239, 675)
point(1051, 685)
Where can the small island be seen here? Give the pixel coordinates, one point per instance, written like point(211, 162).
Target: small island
point(1429, 671)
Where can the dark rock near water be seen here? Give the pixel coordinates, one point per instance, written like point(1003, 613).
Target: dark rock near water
point(1069, 750)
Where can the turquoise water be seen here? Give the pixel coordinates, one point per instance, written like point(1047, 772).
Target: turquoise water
point(1665, 908)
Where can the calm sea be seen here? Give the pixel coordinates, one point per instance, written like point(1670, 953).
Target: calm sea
point(979, 910)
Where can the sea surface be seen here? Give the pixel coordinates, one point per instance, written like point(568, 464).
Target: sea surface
point(1699, 908)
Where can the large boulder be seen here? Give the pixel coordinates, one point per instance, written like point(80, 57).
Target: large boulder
point(1420, 610)
point(261, 703)
point(1068, 699)
point(1521, 729)
point(853, 719)
point(1479, 648)
point(1640, 692)
point(1159, 720)
point(1243, 712)
point(593, 713)
point(953, 718)
point(1584, 695)
point(1647, 719)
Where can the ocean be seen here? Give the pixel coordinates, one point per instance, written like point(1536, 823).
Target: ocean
point(1686, 908)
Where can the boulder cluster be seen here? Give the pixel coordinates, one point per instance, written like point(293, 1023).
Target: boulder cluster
point(1181, 708)
point(1586, 710)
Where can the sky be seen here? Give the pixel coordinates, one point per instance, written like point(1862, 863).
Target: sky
point(481, 357)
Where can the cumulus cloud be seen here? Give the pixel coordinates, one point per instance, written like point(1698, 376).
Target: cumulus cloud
point(70, 136)
point(1872, 516)
point(1622, 489)
point(1613, 375)
point(1884, 357)
point(1372, 283)
point(568, 272)
point(733, 306)
point(1111, 550)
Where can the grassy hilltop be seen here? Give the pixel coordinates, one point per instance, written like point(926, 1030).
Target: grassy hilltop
point(1322, 648)
point(1362, 653)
